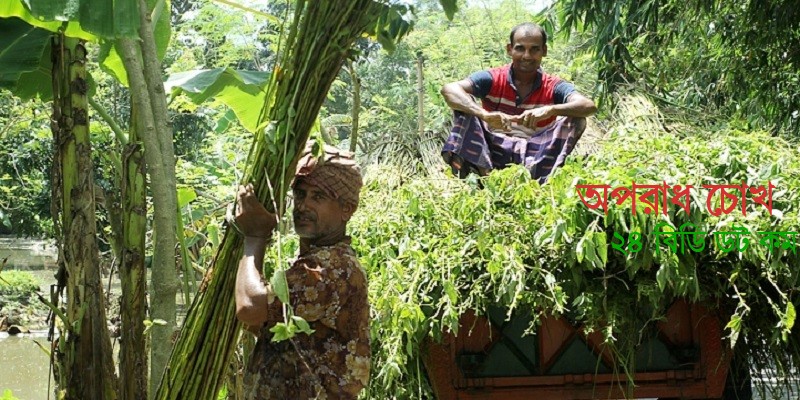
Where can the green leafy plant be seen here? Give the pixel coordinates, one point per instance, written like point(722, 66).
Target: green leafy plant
point(17, 284)
point(7, 395)
point(436, 248)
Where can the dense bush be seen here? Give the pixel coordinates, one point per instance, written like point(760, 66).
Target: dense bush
point(17, 285)
point(18, 302)
point(435, 248)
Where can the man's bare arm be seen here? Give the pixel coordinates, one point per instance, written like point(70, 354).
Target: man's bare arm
point(577, 105)
point(252, 295)
point(458, 96)
point(257, 224)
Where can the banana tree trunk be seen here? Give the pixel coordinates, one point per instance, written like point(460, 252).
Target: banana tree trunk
point(85, 369)
point(133, 357)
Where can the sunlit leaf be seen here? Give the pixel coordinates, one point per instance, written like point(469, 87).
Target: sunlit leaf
point(279, 285)
point(237, 89)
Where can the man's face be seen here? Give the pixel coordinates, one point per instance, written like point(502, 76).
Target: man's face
point(526, 51)
point(317, 216)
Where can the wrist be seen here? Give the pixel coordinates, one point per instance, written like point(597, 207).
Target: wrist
point(256, 240)
point(553, 111)
point(254, 245)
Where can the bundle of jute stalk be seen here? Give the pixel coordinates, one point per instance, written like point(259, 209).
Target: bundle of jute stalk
point(310, 56)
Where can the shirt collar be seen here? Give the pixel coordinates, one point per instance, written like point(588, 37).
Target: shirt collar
point(306, 248)
point(537, 81)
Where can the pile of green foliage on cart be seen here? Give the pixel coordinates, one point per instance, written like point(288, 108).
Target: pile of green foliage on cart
point(434, 248)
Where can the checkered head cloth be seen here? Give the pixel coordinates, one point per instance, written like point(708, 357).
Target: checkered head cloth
point(335, 172)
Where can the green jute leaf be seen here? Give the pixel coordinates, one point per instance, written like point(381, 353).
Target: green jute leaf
point(788, 320)
point(185, 196)
point(281, 331)
point(601, 246)
point(279, 286)
point(591, 252)
point(302, 325)
point(661, 276)
point(579, 249)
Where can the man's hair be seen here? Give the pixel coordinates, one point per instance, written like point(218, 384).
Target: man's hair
point(525, 26)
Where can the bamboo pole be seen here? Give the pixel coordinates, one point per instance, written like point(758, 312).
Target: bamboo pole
point(420, 97)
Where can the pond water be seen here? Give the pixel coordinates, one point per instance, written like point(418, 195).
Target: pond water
point(24, 366)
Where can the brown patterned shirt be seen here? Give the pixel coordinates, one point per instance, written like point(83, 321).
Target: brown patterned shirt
point(328, 288)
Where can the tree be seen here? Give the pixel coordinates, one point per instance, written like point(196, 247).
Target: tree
point(87, 371)
point(143, 69)
point(125, 20)
point(738, 57)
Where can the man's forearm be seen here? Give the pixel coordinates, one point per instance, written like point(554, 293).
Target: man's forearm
point(459, 100)
point(581, 107)
point(251, 292)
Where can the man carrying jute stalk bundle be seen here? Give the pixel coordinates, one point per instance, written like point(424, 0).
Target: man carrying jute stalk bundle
point(526, 116)
point(327, 288)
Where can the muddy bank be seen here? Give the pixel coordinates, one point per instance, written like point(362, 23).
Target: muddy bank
point(20, 313)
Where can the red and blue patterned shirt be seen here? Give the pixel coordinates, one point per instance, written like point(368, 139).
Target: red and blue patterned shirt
point(495, 87)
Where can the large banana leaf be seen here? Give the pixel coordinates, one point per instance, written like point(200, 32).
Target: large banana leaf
point(16, 8)
point(239, 90)
point(31, 78)
point(25, 59)
point(109, 19)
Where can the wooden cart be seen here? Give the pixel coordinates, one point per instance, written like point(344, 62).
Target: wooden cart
point(492, 359)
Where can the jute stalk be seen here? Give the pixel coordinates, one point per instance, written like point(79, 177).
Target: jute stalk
point(315, 47)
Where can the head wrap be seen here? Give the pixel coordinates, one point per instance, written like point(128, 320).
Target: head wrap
point(335, 172)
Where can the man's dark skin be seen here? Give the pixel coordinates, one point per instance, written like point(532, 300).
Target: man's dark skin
point(526, 51)
point(319, 220)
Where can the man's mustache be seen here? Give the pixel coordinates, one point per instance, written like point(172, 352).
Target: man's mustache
point(304, 216)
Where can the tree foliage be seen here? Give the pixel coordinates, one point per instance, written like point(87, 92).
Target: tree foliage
point(25, 157)
point(739, 57)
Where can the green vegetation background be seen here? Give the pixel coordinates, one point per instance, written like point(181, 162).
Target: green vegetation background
point(676, 104)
